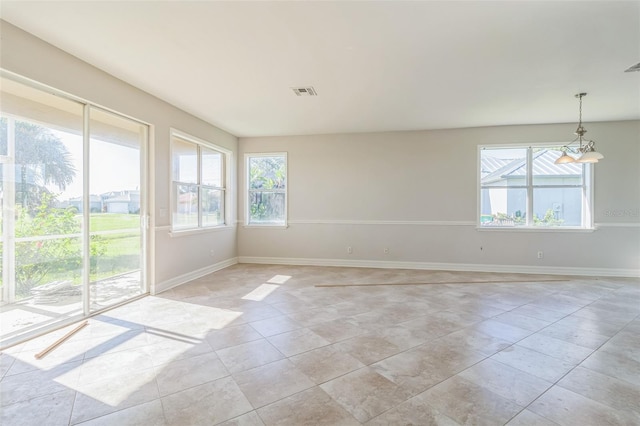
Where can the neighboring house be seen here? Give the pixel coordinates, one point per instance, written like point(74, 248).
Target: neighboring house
point(127, 201)
point(95, 203)
point(187, 203)
point(508, 176)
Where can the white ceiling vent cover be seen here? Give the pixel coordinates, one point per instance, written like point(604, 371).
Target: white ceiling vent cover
point(304, 91)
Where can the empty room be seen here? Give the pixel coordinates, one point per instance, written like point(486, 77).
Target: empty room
point(320, 213)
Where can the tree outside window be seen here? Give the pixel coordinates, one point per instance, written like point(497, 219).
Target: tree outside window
point(267, 189)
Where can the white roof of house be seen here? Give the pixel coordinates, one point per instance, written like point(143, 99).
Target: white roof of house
point(494, 169)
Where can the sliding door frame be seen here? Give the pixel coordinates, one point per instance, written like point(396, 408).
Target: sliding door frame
point(8, 257)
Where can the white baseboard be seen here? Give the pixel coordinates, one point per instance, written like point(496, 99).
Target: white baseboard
point(184, 278)
point(522, 269)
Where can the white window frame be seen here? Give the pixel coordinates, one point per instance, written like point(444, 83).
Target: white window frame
point(588, 192)
point(247, 191)
point(226, 176)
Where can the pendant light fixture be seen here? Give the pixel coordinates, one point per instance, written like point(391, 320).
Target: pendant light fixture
point(586, 148)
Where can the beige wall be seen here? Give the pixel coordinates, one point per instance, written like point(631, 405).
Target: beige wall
point(175, 259)
point(415, 193)
point(411, 192)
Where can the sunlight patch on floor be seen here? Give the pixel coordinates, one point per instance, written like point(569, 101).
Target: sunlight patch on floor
point(219, 318)
point(260, 292)
point(119, 351)
point(279, 279)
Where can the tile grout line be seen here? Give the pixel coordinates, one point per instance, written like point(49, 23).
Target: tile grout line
point(317, 385)
point(556, 383)
point(470, 366)
point(511, 345)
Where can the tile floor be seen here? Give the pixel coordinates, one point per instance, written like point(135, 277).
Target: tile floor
point(262, 345)
point(32, 315)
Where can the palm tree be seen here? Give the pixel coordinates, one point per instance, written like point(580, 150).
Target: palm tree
point(41, 159)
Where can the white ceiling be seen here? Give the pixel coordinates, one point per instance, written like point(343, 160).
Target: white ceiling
point(376, 66)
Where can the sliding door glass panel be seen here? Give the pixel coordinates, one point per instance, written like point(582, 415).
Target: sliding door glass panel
point(115, 206)
point(42, 195)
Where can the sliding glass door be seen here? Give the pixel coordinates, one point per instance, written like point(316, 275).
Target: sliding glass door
point(72, 191)
point(116, 211)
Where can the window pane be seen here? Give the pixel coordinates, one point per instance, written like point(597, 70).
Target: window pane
point(503, 207)
point(185, 161)
point(212, 207)
point(49, 270)
point(545, 172)
point(211, 167)
point(557, 206)
point(503, 167)
point(266, 207)
point(185, 214)
point(42, 133)
point(3, 136)
point(47, 180)
point(115, 204)
point(41, 248)
point(199, 184)
point(267, 172)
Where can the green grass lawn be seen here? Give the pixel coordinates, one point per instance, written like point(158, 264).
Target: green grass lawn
point(112, 221)
point(121, 250)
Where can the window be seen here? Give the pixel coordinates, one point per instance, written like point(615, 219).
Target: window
point(523, 187)
point(198, 183)
point(266, 189)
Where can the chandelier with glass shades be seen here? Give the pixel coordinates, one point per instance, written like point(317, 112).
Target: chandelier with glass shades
point(586, 149)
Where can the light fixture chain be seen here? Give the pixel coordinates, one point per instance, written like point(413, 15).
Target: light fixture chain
point(580, 113)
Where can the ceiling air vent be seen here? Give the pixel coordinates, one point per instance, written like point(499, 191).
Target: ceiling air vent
point(633, 68)
point(304, 91)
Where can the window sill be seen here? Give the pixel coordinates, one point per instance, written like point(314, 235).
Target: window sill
point(266, 226)
point(193, 231)
point(534, 229)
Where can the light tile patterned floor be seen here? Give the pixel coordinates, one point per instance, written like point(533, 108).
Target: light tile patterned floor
point(262, 345)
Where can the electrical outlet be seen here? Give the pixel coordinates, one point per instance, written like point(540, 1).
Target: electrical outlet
point(540, 255)
point(349, 250)
point(211, 253)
